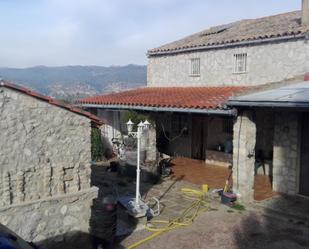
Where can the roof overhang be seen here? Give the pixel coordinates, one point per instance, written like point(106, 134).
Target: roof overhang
point(152, 53)
point(270, 104)
point(223, 112)
point(292, 96)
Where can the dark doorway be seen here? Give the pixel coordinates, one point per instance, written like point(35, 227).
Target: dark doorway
point(199, 137)
point(304, 160)
point(263, 167)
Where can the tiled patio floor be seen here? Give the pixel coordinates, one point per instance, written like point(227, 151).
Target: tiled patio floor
point(198, 172)
point(263, 188)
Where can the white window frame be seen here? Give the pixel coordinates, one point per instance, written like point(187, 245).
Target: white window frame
point(240, 63)
point(195, 67)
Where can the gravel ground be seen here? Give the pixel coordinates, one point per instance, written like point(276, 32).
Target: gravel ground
point(229, 229)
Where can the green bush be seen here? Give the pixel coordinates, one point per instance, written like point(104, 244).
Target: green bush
point(136, 117)
point(96, 145)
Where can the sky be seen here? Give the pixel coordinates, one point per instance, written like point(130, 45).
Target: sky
point(111, 32)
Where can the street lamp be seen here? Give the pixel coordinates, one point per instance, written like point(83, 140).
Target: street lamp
point(142, 128)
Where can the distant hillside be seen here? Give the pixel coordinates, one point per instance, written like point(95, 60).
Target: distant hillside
point(69, 82)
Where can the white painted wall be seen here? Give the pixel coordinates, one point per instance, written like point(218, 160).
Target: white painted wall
point(266, 63)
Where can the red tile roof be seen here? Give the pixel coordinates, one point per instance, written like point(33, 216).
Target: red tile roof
point(51, 101)
point(169, 97)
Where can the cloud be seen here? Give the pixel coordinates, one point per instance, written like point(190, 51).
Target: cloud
point(104, 32)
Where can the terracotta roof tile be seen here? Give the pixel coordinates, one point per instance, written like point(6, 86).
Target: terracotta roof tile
point(51, 101)
point(282, 25)
point(171, 97)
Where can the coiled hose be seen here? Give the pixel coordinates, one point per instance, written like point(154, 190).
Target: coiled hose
point(186, 218)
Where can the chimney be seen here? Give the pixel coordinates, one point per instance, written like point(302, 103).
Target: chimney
point(305, 13)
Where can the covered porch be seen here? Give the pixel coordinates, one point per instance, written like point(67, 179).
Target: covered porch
point(271, 142)
point(191, 122)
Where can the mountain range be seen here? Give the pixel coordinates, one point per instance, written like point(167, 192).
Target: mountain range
point(72, 82)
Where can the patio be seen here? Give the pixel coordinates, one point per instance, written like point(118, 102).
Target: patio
point(199, 173)
point(282, 216)
point(263, 188)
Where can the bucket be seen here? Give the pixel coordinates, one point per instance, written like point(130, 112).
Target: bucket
point(205, 188)
point(228, 198)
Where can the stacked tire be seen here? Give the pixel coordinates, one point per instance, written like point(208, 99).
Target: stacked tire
point(103, 222)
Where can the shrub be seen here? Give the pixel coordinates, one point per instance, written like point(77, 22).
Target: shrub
point(96, 145)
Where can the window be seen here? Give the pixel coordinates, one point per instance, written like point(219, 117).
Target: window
point(195, 67)
point(240, 63)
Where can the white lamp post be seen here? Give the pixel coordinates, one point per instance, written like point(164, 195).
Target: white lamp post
point(142, 128)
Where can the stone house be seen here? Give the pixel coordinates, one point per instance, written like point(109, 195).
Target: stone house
point(191, 80)
point(45, 156)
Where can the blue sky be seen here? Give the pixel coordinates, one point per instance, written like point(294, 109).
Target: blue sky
point(111, 32)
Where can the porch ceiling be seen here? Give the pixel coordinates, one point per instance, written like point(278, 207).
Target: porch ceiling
point(176, 99)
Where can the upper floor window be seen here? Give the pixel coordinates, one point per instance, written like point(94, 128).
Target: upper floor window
point(240, 63)
point(195, 67)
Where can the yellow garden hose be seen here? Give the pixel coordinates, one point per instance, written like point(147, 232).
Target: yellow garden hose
point(185, 219)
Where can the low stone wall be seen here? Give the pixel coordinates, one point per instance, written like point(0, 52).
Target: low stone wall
point(61, 222)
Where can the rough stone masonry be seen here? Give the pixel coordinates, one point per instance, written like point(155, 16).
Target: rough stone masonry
point(45, 154)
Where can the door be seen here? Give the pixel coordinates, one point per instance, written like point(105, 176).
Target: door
point(199, 136)
point(304, 163)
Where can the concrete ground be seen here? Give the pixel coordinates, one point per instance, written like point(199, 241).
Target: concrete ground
point(221, 227)
point(229, 229)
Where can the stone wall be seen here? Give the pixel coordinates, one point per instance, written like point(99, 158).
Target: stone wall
point(244, 155)
point(34, 133)
point(45, 158)
point(44, 149)
point(53, 221)
point(266, 63)
point(286, 152)
point(40, 182)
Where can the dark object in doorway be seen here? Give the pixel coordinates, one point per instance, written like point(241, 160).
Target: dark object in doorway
point(259, 162)
point(165, 167)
